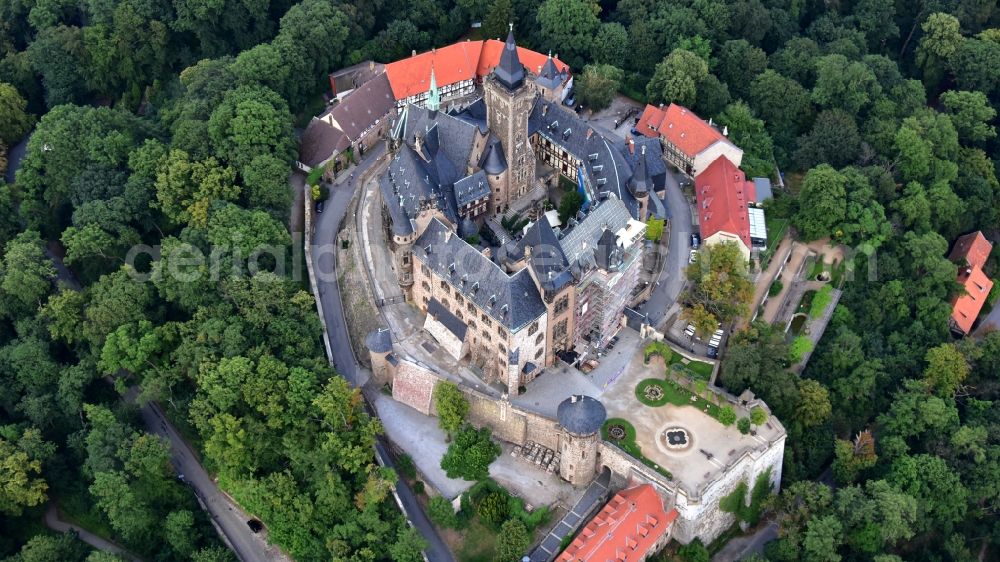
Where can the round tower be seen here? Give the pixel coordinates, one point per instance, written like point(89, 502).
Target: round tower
point(379, 344)
point(581, 418)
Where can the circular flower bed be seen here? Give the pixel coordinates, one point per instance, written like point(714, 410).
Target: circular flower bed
point(651, 392)
point(616, 432)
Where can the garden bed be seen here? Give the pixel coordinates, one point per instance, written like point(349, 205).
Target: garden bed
point(627, 442)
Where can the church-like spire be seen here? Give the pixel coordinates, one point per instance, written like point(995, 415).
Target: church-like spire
point(434, 96)
point(509, 71)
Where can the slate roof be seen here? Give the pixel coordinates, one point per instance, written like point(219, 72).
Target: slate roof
point(379, 340)
point(434, 176)
point(513, 300)
point(579, 243)
point(509, 71)
point(447, 319)
point(608, 171)
point(493, 160)
point(581, 415)
point(762, 189)
point(471, 188)
point(361, 108)
point(320, 141)
point(547, 259)
point(549, 76)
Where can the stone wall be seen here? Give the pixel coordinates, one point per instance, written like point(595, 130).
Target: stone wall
point(510, 423)
point(414, 386)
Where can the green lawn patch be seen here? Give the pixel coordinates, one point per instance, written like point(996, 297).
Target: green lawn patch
point(651, 392)
point(820, 301)
point(775, 232)
point(480, 543)
point(628, 444)
point(701, 369)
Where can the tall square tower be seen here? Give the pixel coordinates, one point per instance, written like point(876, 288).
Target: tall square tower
point(509, 99)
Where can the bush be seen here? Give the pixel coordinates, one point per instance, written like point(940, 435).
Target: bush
point(820, 301)
point(800, 346)
point(494, 509)
point(570, 205)
point(418, 487)
point(758, 416)
point(513, 541)
point(469, 456)
point(775, 288)
point(441, 513)
point(743, 425)
point(405, 467)
point(314, 176)
point(654, 229)
point(727, 416)
point(694, 551)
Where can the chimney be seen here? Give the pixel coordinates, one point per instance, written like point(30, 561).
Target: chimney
point(447, 236)
point(725, 131)
point(413, 53)
point(545, 109)
point(572, 399)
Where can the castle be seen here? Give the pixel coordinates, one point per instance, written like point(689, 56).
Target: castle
point(559, 286)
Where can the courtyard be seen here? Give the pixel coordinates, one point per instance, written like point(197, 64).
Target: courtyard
point(673, 433)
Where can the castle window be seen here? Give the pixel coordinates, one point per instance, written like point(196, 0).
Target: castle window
point(538, 353)
point(425, 285)
point(533, 329)
point(444, 285)
point(562, 304)
point(486, 336)
point(471, 308)
point(425, 270)
point(560, 331)
point(406, 259)
point(539, 339)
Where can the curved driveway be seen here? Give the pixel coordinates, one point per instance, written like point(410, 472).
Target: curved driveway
point(671, 280)
point(327, 225)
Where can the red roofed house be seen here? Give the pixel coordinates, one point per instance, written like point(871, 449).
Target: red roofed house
point(457, 68)
point(689, 143)
point(970, 253)
point(723, 197)
point(630, 527)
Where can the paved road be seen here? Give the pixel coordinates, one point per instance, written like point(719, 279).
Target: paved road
point(53, 522)
point(228, 517)
point(327, 225)
point(671, 280)
point(14, 156)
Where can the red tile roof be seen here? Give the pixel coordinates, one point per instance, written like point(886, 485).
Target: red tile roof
point(680, 126)
point(722, 192)
point(966, 307)
point(970, 253)
point(454, 63)
point(532, 60)
point(974, 248)
point(626, 528)
point(465, 60)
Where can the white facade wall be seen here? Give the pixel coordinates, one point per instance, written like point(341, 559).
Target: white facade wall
point(719, 148)
point(723, 236)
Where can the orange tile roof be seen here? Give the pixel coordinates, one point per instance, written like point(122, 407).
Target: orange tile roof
point(626, 528)
point(454, 63)
point(970, 253)
point(532, 60)
point(680, 126)
point(966, 307)
point(974, 248)
point(465, 60)
point(722, 193)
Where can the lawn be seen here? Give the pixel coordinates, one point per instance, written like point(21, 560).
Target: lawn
point(775, 232)
point(673, 393)
point(628, 443)
point(478, 544)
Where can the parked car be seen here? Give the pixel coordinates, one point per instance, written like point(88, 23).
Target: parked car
point(695, 240)
point(319, 206)
point(689, 331)
point(694, 256)
point(713, 352)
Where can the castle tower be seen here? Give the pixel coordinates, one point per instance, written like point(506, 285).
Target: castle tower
point(379, 344)
point(509, 99)
point(581, 418)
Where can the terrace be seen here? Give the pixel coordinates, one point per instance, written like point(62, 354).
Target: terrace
point(660, 420)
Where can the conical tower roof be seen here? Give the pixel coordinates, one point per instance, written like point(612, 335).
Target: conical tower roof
point(494, 163)
point(509, 71)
